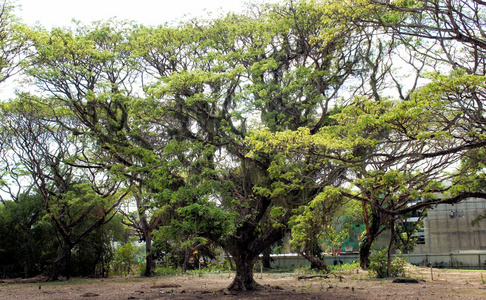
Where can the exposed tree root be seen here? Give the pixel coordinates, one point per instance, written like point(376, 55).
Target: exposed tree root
point(303, 277)
point(241, 285)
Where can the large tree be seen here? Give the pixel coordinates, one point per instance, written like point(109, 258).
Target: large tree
point(174, 113)
point(402, 149)
point(280, 68)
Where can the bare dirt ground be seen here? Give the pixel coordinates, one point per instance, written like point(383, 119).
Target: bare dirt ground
point(354, 284)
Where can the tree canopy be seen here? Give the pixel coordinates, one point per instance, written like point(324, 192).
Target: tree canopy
point(237, 130)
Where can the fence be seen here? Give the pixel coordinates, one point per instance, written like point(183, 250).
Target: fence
point(459, 260)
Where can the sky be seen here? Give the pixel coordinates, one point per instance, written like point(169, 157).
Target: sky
point(60, 13)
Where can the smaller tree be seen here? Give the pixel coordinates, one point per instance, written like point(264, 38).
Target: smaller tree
point(125, 258)
point(313, 224)
point(77, 200)
point(27, 242)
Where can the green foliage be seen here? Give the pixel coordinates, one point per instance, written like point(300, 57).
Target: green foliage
point(379, 266)
point(168, 271)
point(14, 42)
point(345, 267)
point(126, 259)
point(232, 130)
point(27, 243)
point(315, 218)
point(95, 254)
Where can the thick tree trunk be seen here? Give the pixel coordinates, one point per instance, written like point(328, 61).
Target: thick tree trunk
point(149, 257)
point(372, 231)
point(315, 261)
point(313, 254)
point(364, 253)
point(56, 266)
point(187, 257)
point(248, 242)
point(244, 280)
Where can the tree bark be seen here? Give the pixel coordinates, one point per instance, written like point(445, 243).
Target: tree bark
point(266, 259)
point(149, 257)
point(187, 256)
point(364, 253)
point(244, 280)
point(245, 248)
point(56, 266)
point(372, 231)
point(315, 261)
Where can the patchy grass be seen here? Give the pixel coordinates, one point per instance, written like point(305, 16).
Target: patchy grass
point(348, 284)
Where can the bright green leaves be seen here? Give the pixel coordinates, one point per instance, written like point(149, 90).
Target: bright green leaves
point(261, 67)
point(453, 95)
point(71, 64)
point(204, 218)
point(314, 218)
point(196, 86)
point(64, 56)
point(264, 140)
point(14, 42)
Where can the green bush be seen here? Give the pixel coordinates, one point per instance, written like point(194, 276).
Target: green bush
point(379, 268)
point(125, 261)
point(345, 267)
point(168, 271)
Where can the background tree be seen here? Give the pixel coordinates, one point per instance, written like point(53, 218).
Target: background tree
point(26, 243)
point(76, 202)
point(400, 152)
point(89, 74)
point(13, 42)
point(311, 226)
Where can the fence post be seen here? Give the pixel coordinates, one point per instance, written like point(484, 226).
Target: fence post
point(431, 272)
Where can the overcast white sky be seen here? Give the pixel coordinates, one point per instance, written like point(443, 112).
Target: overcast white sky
point(55, 13)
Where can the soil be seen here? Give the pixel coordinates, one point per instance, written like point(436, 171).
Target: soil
point(352, 284)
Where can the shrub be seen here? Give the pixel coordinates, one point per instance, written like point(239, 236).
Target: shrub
point(125, 261)
point(168, 271)
point(378, 265)
point(345, 267)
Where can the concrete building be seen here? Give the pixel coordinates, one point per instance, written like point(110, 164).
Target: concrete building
point(448, 228)
point(448, 239)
